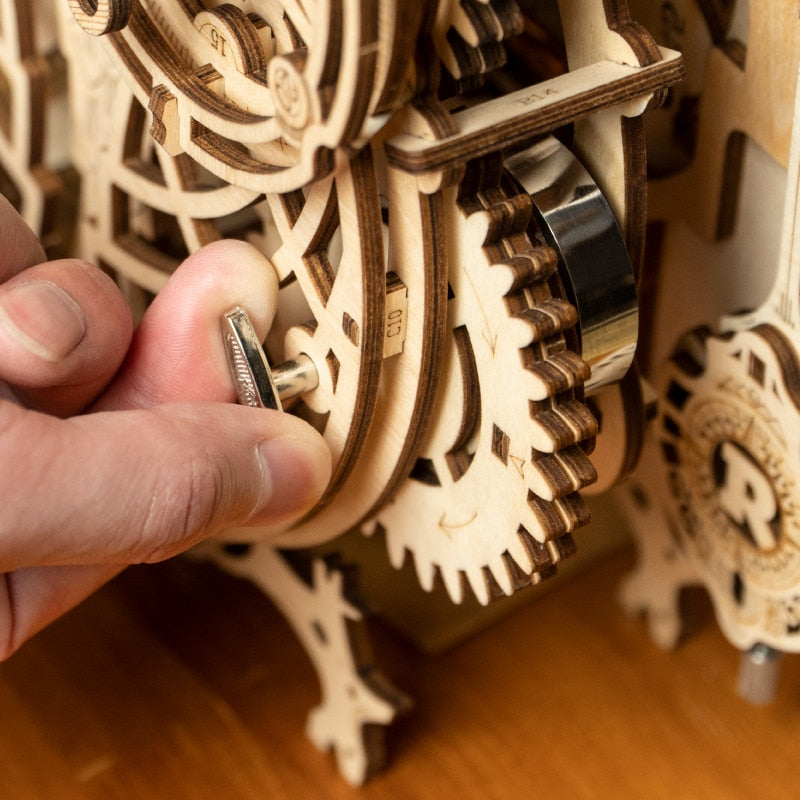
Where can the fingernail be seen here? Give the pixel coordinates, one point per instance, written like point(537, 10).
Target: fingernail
point(43, 318)
point(298, 470)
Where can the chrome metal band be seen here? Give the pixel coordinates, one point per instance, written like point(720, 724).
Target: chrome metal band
point(577, 222)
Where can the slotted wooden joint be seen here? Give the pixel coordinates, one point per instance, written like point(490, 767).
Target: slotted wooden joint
point(288, 86)
point(99, 17)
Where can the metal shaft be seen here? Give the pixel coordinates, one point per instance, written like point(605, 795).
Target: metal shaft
point(759, 670)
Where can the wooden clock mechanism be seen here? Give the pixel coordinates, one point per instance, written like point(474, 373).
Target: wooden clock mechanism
point(452, 195)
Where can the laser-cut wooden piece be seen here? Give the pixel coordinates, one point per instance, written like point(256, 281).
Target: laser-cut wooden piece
point(404, 402)
point(751, 95)
point(722, 469)
point(357, 702)
point(289, 84)
point(315, 530)
point(99, 17)
point(469, 467)
point(460, 552)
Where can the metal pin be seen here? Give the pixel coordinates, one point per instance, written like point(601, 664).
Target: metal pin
point(257, 384)
point(759, 670)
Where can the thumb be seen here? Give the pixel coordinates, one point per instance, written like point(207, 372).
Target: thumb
point(199, 469)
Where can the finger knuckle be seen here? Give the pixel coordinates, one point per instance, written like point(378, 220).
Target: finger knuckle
point(187, 508)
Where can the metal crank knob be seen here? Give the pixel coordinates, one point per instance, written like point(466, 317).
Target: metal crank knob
point(257, 383)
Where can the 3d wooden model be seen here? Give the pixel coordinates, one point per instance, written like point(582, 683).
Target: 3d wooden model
point(466, 264)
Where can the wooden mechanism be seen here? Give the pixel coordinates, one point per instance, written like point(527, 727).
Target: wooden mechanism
point(434, 220)
point(715, 500)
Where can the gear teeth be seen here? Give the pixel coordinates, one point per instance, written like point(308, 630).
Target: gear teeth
point(497, 580)
point(504, 576)
point(521, 555)
point(397, 551)
point(455, 582)
point(549, 523)
point(565, 424)
point(557, 517)
point(508, 217)
point(482, 22)
point(573, 510)
point(562, 548)
point(533, 266)
point(538, 553)
point(475, 40)
point(476, 61)
point(559, 474)
point(558, 372)
point(426, 573)
point(513, 274)
point(501, 576)
point(521, 579)
point(481, 585)
point(549, 317)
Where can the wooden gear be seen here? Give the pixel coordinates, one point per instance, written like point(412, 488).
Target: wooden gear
point(349, 144)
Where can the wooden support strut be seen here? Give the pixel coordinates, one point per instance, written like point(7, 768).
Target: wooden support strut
point(521, 116)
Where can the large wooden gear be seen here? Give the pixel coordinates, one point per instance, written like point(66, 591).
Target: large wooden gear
point(265, 93)
point(349, 143)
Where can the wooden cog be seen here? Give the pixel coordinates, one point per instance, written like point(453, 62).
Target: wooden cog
point(494, 493)
point(264, 93)
point(258, 92)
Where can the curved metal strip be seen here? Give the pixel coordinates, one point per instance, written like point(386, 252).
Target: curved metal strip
point(577, 222)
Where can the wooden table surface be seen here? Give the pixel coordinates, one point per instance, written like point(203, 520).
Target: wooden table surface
point(177, 682)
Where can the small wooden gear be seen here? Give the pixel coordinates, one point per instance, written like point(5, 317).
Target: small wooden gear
point(487, 450)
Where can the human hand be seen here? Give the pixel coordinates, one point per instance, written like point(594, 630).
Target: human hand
point(119, 447)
